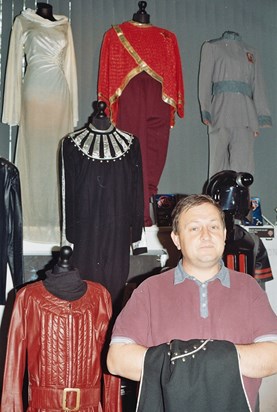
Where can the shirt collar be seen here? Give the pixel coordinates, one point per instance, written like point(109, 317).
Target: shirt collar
point(223, 275)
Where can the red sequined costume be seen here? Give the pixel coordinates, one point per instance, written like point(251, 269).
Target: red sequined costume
point(140, 79)
point(156, 53)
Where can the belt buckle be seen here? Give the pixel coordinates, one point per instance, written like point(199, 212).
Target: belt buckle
point(77, 403)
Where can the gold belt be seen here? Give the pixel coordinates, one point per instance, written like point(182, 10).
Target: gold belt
point(77, 400)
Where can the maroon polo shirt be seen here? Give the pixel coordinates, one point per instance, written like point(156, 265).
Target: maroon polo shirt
point(170, 306)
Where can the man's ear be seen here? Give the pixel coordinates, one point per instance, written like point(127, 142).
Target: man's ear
point(175, 239)
point(225, 234)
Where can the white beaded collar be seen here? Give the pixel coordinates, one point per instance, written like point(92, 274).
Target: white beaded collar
point(102, 145)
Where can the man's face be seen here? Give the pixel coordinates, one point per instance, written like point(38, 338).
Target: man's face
point(201, 238)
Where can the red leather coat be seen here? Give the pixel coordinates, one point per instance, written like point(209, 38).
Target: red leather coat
point(63, 341)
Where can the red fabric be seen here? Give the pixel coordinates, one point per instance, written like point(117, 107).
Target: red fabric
point(263, 274)
point(242, 263)
point(230, 262)
point(143, 113)
point(63, 343)
point(159, 51)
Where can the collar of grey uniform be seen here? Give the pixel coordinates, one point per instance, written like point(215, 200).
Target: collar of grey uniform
point(103, 145)
point(223, 275)
point(231, 35)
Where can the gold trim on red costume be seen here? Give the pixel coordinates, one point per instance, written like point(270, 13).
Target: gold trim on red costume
point(161, 60)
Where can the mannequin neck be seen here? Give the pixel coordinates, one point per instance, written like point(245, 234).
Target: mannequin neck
point(65, 283)
point(141, 18)
point(231, 35)
point(45, 10)
point(101, 123)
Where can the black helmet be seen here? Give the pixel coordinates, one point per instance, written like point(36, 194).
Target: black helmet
point(231, 190)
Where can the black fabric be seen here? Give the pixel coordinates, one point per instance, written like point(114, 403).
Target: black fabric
point(252, 246)
point(11, 237)
point(103, 210)
point(64, 284)
point(261, 260)
point(207, 381)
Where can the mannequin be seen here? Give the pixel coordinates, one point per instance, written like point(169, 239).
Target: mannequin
point(64, 281)
point(39, 47)
point(62, 348)
point(63, 263)
point(144, 92)
point(141, 16)
point(45, 10)
point(233, 102)
point(102, 200)
point(99, 119)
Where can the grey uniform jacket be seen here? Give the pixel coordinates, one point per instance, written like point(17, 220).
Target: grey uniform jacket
point(231, 86)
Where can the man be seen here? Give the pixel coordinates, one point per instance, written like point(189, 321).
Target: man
point(199, 299)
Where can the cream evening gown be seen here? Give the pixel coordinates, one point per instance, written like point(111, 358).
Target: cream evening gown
point(41, 97)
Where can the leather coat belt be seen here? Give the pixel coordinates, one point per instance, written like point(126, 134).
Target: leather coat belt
point(67, 399)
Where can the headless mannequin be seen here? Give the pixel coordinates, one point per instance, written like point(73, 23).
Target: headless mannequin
point(141, 16)
point(100, 120)
point(64, 280)
point(45, 10)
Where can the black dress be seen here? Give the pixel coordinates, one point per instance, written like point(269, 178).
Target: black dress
point(102, 193)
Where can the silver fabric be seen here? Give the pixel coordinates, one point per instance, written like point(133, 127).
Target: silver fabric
point(103, 145)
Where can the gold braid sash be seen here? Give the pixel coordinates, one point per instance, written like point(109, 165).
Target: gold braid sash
point(141, 63)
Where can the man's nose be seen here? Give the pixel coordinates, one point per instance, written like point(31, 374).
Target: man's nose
point(205, 233)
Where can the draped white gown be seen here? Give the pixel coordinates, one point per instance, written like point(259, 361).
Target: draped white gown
point(41, 97)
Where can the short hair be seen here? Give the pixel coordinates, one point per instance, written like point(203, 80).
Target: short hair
point(188, 203)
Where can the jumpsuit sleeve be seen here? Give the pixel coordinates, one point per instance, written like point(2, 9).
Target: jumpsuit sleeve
point(259, 96)
point(205, 82)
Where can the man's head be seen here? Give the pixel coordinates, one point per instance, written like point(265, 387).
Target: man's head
point(191, 201)
point(199, 232)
